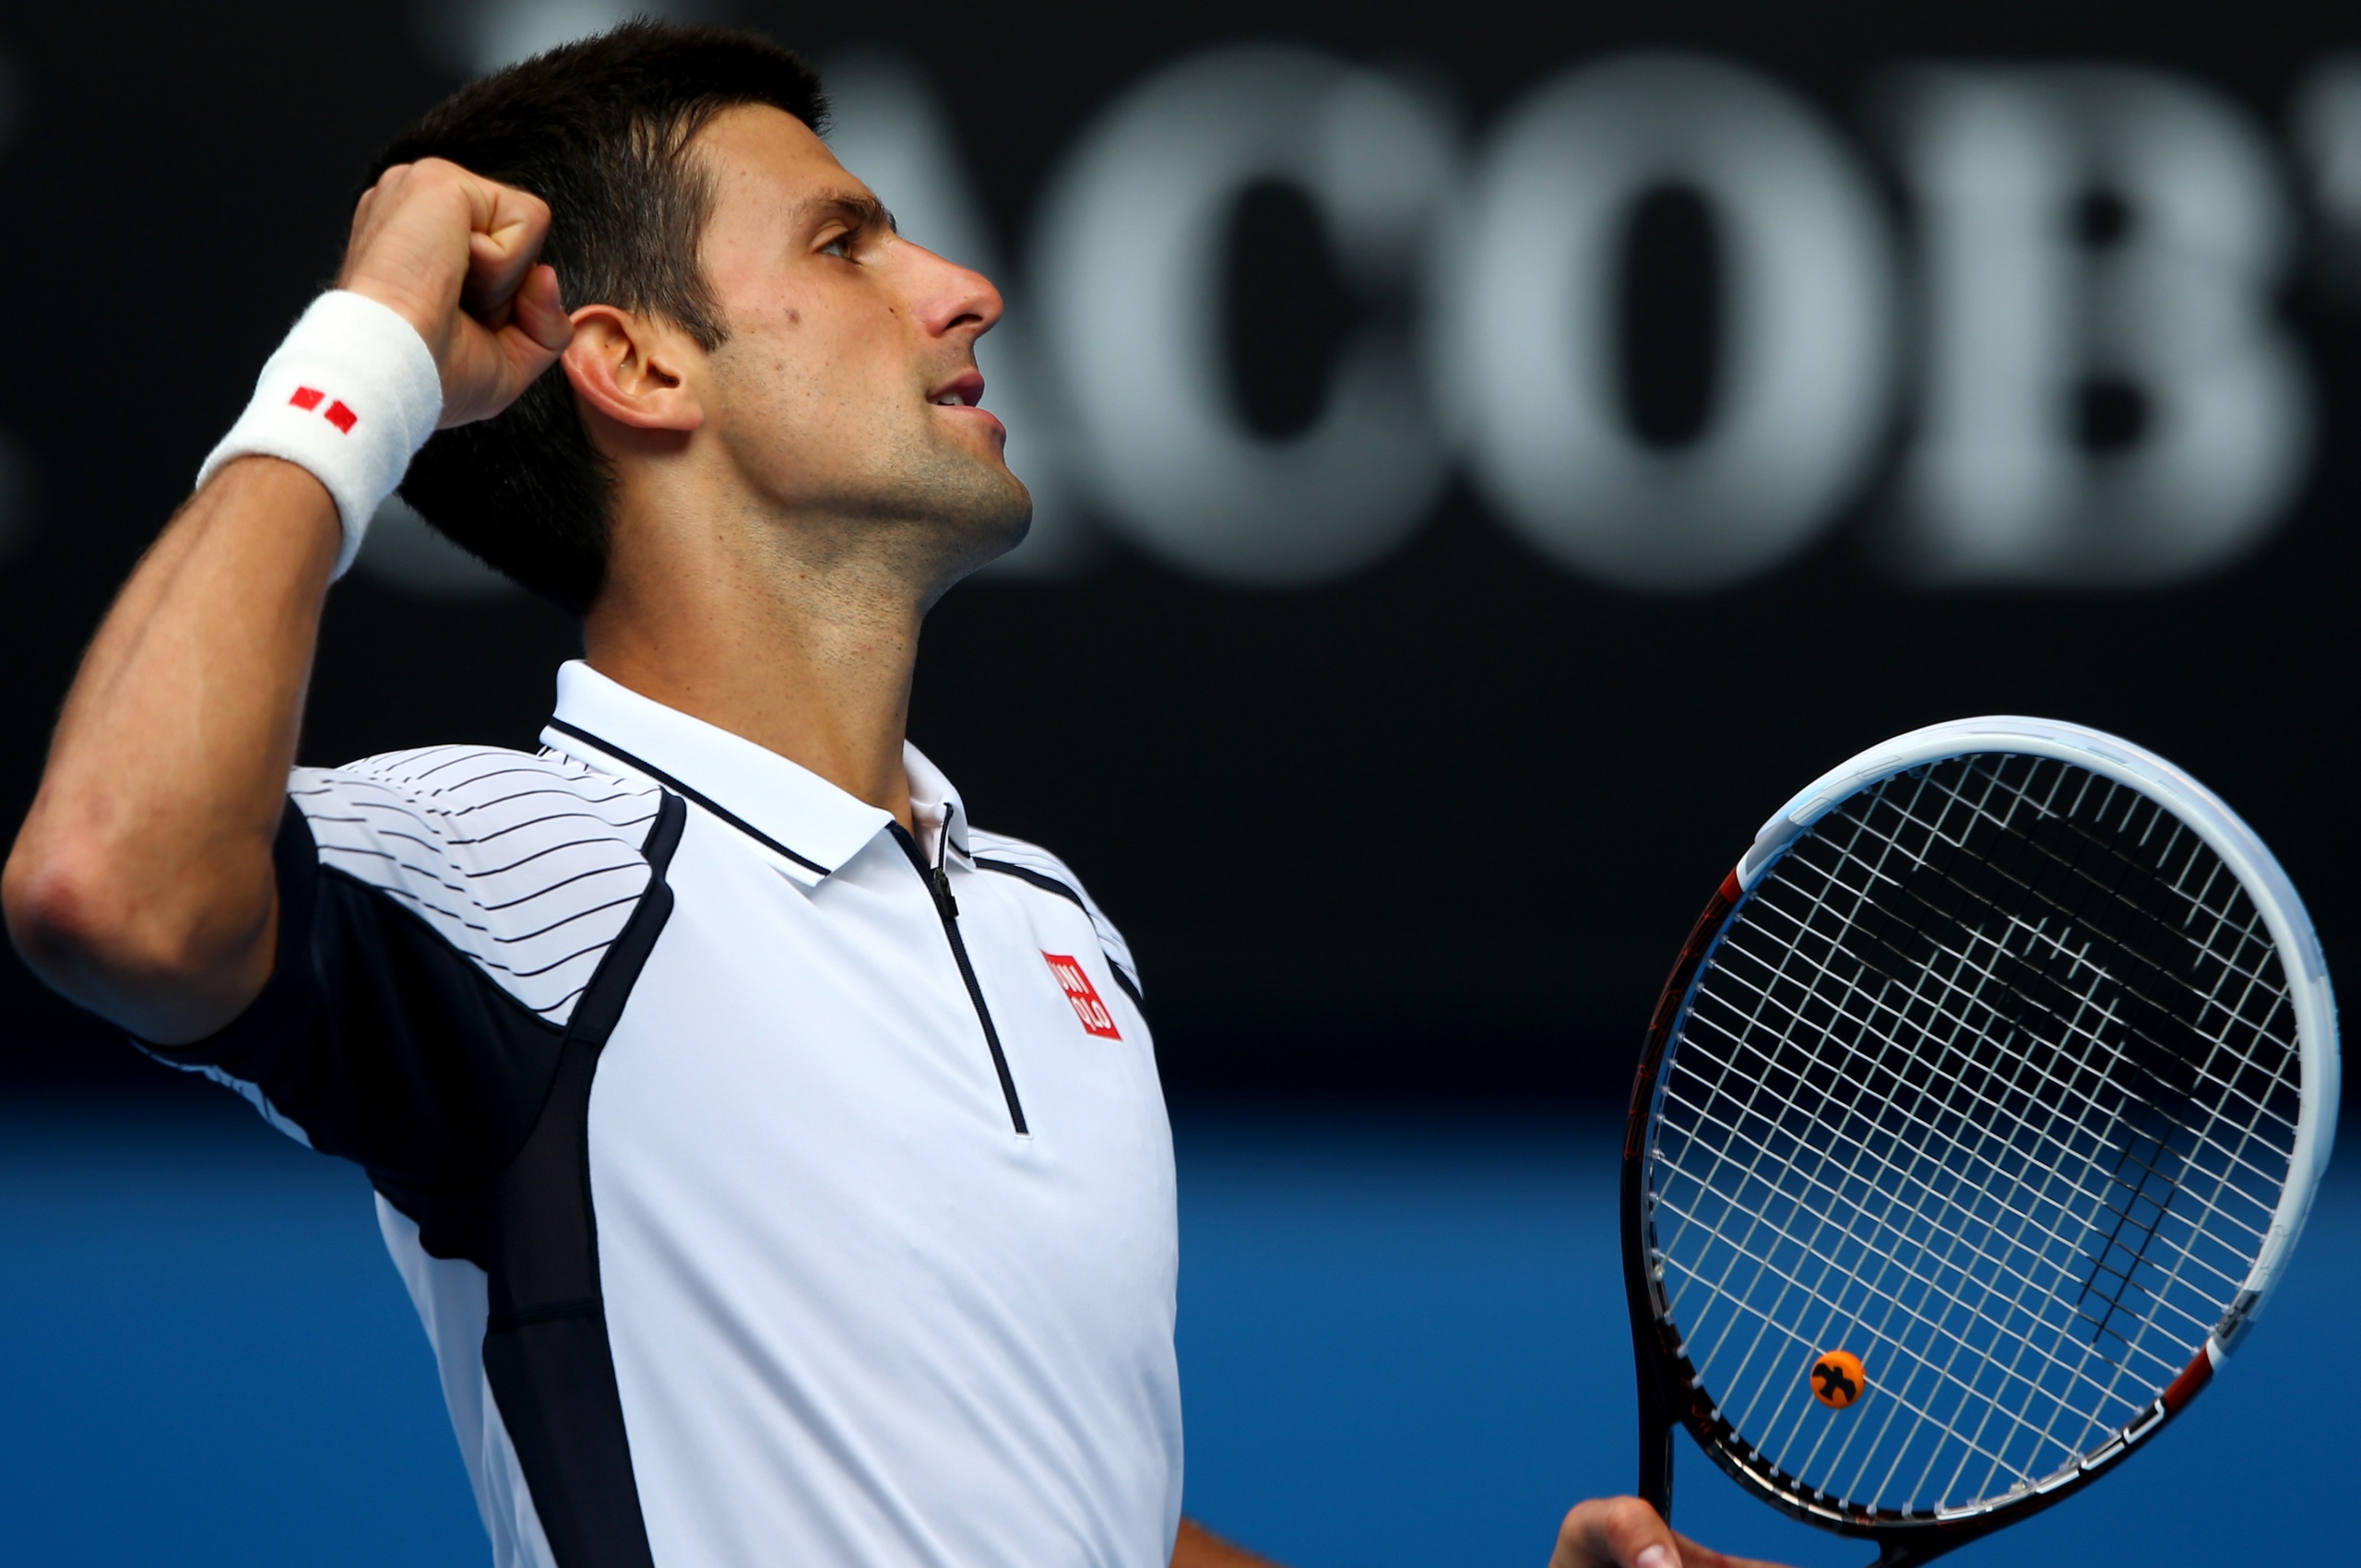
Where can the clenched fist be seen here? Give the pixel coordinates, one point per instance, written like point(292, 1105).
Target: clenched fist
point(455, 254)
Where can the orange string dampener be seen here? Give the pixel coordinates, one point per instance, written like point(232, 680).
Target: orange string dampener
point(1838, 1379)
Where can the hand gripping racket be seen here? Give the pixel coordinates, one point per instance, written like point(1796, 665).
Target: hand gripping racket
point(1973, 1128)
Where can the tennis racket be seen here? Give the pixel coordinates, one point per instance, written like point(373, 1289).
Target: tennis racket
point(1974, 1129)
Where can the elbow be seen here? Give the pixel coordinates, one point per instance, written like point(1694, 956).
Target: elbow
point(67, 917)
point(153, 965)
point(52, 906)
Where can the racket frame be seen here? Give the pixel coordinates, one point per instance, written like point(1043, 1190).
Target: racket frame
point(1670, 1391)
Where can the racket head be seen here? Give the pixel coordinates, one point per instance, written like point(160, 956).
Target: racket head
point(1871, 1123)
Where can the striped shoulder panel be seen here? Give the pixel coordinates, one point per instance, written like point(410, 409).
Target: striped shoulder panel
point(527, 865)
point(1015, 857)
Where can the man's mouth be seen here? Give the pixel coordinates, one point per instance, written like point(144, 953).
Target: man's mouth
point(961, 392)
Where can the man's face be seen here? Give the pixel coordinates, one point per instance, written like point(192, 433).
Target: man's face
point(847, 386)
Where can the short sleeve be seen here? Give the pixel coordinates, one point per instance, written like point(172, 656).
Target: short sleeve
point(439, 913)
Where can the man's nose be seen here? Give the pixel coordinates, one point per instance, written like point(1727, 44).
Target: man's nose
point(955, 298)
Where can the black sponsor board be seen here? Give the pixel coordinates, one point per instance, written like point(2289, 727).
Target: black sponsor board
point(1598, 425)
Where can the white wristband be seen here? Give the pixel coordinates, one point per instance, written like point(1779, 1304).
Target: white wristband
point(351, 395)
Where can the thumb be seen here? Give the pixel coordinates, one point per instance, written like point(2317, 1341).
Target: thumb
point(1695, 1556)
point(539, 311)
point(1615, 1532)
point(523, 347)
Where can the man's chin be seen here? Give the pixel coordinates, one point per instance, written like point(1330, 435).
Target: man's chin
point(996, 530)
point(968, 520)
point(968, 511)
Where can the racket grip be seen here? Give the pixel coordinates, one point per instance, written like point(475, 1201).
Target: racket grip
point(1656, 1454)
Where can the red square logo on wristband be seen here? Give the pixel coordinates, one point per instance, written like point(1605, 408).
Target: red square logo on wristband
point(336, 413)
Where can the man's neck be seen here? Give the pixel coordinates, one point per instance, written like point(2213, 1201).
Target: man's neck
point(805, 651)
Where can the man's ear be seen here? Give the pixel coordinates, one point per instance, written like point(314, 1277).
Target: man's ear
point(632, 370)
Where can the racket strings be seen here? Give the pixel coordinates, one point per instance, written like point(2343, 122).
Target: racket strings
point(2078, 1026)
point(1953, 1260)
point(1885, 1328)
point(2017, 1361)
point(1818, 1186)
point(1747, 1248)
point(1992, 1080)
point(1863, 1148)
point(2250, 975)
point(1895, 1016)
point(2118, 1221)
point(2051, 1079)
point(2127, 1219)
point(2216, 876)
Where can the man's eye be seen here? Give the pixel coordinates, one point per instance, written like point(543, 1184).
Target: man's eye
point(840, 247)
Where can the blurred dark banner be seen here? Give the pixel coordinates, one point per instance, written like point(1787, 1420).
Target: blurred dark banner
point(1487, 456)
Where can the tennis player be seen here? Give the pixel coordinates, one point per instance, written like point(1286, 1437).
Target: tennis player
point(776, 1160)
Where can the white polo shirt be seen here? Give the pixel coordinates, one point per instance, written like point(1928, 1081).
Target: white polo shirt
point(775, 1189)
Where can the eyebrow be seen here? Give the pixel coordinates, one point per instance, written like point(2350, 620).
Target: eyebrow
point(864, 210)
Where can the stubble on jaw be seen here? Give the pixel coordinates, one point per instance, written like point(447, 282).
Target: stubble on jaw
point(922, 507)
point(960, 510)
point(925, 515)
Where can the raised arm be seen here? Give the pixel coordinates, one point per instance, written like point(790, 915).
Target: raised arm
point(140, 884)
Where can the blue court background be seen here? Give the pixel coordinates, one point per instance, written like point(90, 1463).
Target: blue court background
point(1401, 1339)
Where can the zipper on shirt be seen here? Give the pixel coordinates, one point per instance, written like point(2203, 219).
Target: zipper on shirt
point(938, 886)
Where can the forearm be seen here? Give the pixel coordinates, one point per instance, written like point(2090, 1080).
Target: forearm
point(1199, 1548)
point(140, 884)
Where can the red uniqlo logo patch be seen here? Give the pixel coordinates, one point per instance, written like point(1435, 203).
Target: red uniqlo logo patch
point(1076, 981)
point(336, 413)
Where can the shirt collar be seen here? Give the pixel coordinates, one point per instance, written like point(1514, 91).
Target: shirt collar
point(935, 803)
point(809, 824)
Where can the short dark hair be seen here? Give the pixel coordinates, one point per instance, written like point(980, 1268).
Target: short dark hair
point(599, 129)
